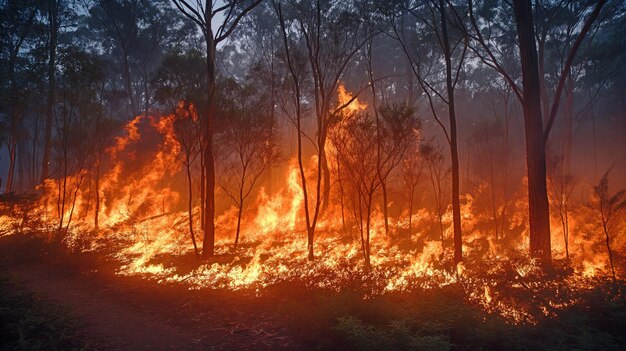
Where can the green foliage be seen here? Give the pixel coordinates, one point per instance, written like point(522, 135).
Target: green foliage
point(443, 321)
point(397, 336)
point(180, 77)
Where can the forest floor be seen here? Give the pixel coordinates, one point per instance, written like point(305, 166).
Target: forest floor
point(51, 299)
point(121, 313)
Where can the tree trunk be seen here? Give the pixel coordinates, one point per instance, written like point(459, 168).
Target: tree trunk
point(202, 184)
point(568, 112)
point(594, 140)
point(12, 158)
point(128, 80)
point(53, 27)
point(411, 196)
point(241, 199)
point(339, 180)
point(239, 212)
point(545, 103)
point(456, 203)
point(190, 204)
point(326, 174)
point(97, 209)
point(539, 213)
point(208, 244)
point(608, 249)
point(367, 233)
point(383, 187)
point(310, 236)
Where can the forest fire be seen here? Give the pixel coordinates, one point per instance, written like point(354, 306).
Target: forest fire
point(139, 210)
point(343, 170)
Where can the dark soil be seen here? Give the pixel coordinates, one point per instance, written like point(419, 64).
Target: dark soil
point(121, 313)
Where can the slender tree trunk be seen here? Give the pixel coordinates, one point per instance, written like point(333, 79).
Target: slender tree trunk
point(33, 162)
point(593, 140)
point(326, 174)
point(310, 224)
point(12, 158)
point(240, 210)
point(128, 80)
point(202, 184)
point(208, 245)
point(361, 226)
point(339, 180)
point(53, 28)
point(456, 203)
point(74, 197)
point(97, 209)
point(21, 156)
point(563, 216)
point(411, 196)
point(367, 233)
point(568, 112)
point(539, 212)
point(608, 248)
point(494, 205)
point(379, 170)
point(190, 207)
point(410, 83)
point(383, 187)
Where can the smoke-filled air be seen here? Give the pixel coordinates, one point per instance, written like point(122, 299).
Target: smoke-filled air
point(312, 175)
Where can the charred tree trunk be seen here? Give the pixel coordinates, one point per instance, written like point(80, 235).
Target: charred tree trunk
point(539, 213)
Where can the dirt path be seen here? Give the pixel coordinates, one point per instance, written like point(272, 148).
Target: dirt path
point(132, 314)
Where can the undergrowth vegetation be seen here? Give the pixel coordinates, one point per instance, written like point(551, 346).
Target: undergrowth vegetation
point(31, 324)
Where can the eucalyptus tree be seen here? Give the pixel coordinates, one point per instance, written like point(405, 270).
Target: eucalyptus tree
point(133, 36)
point(21, 38)
point(328, 36)
point(438, 69)
point(609, 207)
point(225, 16)
point(76, 125)
point(245, 144)
point(536, 128)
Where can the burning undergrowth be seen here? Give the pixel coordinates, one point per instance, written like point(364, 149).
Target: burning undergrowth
point(131, 207)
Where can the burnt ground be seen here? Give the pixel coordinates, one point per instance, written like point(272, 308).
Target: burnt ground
point(53, 299)
point(121, 313)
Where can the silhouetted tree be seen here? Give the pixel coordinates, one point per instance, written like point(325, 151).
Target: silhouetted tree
point(226, 16)
point(610, 208)
point(245, 146)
